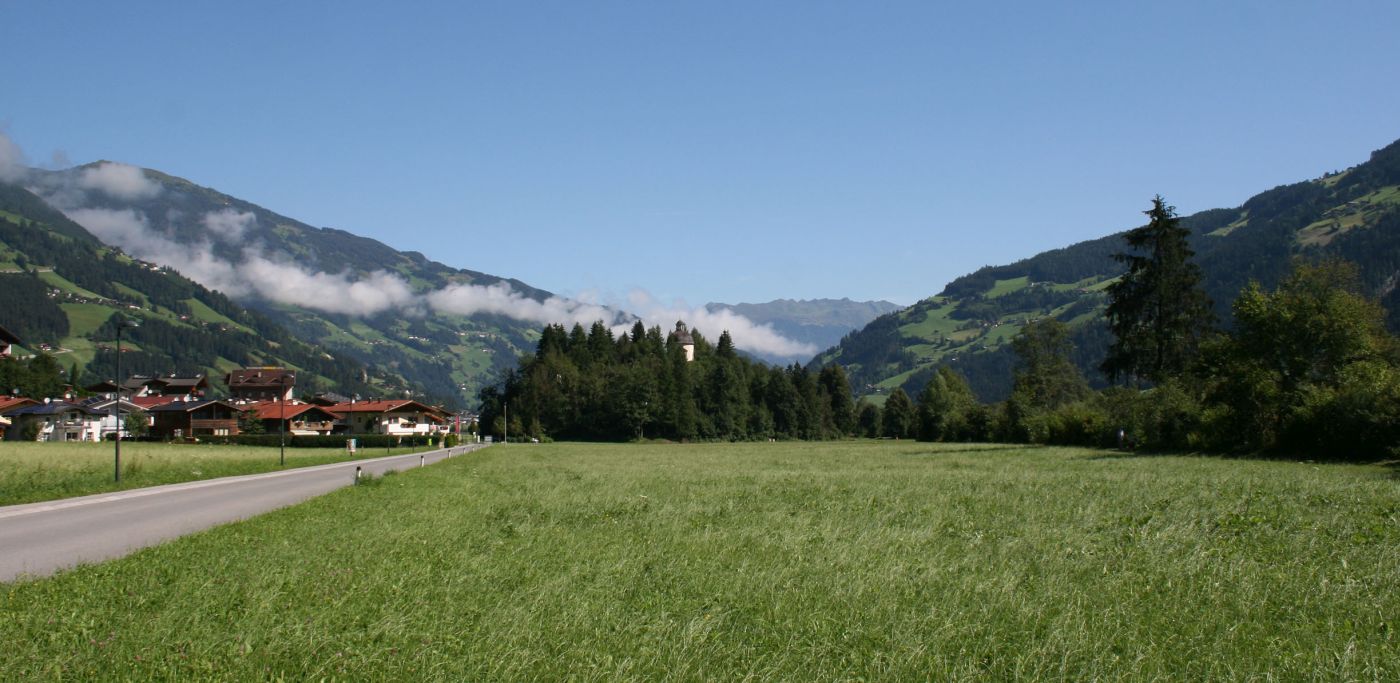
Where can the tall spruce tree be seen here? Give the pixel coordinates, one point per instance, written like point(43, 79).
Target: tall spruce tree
point(898, 416)
point(1157, 311)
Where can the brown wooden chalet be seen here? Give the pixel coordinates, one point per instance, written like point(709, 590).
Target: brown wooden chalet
point(299, 418)
point(261, 383)
point(189, 419)
point(392, 417)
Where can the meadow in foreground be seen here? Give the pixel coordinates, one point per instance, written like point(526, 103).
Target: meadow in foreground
point(32, 471)
point(788, 561)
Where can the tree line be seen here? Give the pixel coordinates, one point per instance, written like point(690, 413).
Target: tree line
point(1307, 368)
point(593, 385)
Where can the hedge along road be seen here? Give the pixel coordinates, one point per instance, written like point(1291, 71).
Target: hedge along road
point(38, 539)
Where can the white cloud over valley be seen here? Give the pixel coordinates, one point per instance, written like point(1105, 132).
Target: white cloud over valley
point(118, 181)
point(258, 273)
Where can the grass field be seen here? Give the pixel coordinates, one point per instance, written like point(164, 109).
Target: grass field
point(31, 471)
point(864, 560)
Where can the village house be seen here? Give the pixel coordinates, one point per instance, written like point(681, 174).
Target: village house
point(141, 386)
point(391, 417)
point(261, 384)
point(106, 408)
point(192, 419)
point(300, 419)
point(53, 421)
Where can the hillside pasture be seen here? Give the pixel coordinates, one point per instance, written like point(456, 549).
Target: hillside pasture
point(771, 561)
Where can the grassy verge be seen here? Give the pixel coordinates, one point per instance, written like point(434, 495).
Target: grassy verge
point(765, 561)
point(31, 472)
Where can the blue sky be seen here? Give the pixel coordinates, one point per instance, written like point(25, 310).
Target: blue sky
point(711, 151)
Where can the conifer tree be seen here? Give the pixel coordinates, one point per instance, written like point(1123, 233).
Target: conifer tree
point(837, 388)
point(898, 416)
point(1157, 310)
point(868, 419)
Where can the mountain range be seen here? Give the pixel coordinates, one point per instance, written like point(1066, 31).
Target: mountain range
point(220, 282)
point(1352, 214)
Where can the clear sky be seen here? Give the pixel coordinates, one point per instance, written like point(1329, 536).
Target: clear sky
point(711, 151)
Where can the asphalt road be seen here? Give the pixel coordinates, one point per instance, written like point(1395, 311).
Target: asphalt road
point(38, 539)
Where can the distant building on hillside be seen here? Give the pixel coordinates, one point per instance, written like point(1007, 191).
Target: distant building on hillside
point(261, 384)
point(7, 341)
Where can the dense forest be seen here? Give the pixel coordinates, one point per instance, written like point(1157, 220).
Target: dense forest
point(591, 385)
point(1306, 370)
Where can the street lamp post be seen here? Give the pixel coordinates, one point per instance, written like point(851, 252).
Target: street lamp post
point(122, 323)
point(282, 423)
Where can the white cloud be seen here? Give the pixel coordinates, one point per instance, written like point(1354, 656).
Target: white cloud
point(229, 225)
point(500, 298)
point(12, 166)
point(332, 293)
point(747, 334)
point(258, 274)
point(119, 181)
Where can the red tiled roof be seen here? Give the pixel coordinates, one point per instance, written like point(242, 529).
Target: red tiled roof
point(273, 410)
point(388, 406)
point(8, 402)
point(152, 401)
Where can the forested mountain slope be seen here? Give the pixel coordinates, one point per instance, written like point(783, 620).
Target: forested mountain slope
point(1354, 214)
point(60, 288)
point(353, 296)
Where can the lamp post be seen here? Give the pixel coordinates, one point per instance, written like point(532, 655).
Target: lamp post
point(282, 423)
point(122, 323)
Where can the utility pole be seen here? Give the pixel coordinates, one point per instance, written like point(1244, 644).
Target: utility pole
point(122, 323)
point(505, 420)
point(282, 423)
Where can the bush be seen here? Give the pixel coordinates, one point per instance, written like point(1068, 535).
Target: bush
point(1082, 423)
point(1165, 417)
